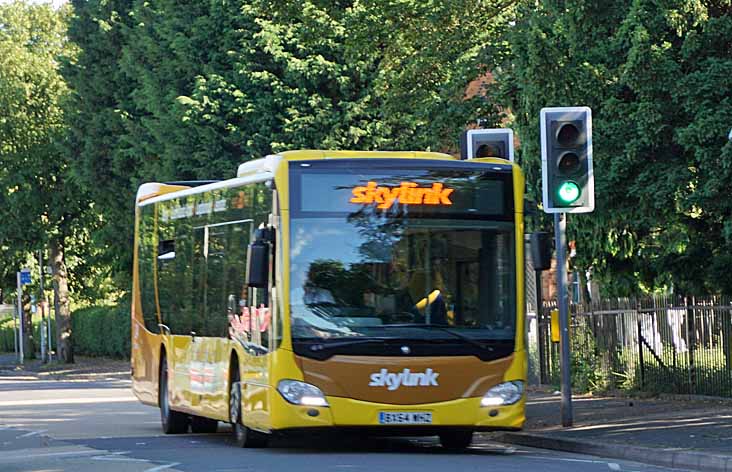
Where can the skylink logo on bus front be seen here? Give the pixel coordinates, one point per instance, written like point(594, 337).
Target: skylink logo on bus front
point(404, 378)
point(408, 193)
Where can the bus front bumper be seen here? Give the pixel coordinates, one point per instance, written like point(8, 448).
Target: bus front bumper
point(344, 413)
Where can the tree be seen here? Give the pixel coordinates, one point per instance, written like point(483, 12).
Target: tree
point(100, 137)
point(170, 90)
point(351, 75)
point(42, 204)
point(433, 61)
point(656, 76)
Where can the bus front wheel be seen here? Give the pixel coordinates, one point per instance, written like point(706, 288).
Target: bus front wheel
point(174, 422)
point(243, 436)
point(456, 440)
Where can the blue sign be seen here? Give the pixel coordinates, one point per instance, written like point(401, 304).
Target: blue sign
point(25, 276)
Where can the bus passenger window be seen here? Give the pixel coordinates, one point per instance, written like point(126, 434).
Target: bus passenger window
point(146, 264)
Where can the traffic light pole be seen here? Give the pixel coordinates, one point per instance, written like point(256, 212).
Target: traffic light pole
point(560, 235)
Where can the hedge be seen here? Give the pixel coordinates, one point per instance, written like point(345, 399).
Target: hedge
point(7, 338)
point(102, 331)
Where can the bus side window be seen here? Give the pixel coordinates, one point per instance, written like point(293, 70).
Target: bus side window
point(222, 257)
point(215, 296)
point(199, 275)
point(174, 261)
point(147, 241)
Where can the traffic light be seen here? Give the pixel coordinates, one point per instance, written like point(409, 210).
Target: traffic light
point(566, 160)
point(496, 142)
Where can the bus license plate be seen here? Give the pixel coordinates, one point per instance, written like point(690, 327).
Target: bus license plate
point(404, 417)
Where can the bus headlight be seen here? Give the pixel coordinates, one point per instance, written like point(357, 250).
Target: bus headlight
point(301, 393)
point(506, 393)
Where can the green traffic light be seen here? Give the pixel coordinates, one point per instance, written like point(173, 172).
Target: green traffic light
point(568, 192)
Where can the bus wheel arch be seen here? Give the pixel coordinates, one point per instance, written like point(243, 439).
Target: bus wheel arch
point(173, 422)
point(242, 435)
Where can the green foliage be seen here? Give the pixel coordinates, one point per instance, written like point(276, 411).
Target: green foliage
point(99, 107)
point(41, 202)
point(166, 90)
point(7, 334)
point(98, 331)
point(31, 39)
point(163, 90)
point(588, 372)
point(657, 77)
point(102, 330)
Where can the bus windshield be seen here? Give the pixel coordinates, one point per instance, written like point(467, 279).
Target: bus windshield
point(388, 252)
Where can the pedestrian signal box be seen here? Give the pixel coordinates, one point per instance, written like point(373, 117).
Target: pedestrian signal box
point(554, 317)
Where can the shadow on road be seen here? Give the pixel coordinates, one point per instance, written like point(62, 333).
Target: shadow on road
point(320, 444)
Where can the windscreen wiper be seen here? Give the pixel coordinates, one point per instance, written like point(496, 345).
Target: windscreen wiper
point(467, 339)
point(350, 342)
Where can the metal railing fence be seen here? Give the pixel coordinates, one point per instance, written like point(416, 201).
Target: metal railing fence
point(662, 344)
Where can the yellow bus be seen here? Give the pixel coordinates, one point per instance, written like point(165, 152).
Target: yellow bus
point(376, 292)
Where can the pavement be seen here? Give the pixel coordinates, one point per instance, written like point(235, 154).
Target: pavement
point(693, 433)
point(85, 368)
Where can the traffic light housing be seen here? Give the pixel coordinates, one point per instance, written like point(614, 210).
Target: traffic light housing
point(566, 160)
point(497, 142)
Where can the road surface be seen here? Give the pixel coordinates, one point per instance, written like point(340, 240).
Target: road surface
point(48, 425)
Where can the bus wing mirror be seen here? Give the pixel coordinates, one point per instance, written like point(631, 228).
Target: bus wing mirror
point(258, 264)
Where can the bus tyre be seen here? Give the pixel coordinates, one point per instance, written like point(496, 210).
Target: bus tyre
point(174, 422)
point(456, 440)
point(243, 436)
point(201, 425)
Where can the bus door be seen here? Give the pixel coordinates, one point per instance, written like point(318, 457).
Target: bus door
point(221, 273)
point(249, 318)
point(256, 321)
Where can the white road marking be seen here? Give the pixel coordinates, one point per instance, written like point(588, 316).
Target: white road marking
point(26, 454)
point(163, 467)
point(68, 401)
point(567, 459)
point(117, 456)
point(32, 433)
point(117, 459)
point(613, 466)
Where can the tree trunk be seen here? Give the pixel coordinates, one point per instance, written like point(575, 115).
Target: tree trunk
point(29, 345)
point(64, 340)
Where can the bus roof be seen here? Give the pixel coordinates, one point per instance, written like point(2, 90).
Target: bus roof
point(259, 169)
point(267, 164)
